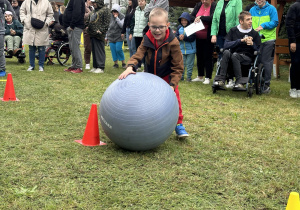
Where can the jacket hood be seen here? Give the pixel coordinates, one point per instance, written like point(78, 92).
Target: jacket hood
point(116, 7)
point(100, 4)
point(186, 16)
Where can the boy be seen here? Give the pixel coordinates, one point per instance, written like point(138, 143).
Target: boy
point(187, 45)
point(163, 57)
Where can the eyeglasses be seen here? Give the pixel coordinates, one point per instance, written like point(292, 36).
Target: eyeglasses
point(154, 28)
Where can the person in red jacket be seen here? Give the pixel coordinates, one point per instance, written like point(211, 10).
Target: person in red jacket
point(163, 57)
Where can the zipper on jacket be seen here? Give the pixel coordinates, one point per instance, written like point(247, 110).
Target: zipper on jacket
point(155, 56)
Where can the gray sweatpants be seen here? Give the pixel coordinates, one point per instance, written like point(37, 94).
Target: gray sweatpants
point(267, 58)
point(2, 56)
point(74, 44)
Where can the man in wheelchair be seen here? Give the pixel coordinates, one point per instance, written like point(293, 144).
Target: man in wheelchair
point(240, 44)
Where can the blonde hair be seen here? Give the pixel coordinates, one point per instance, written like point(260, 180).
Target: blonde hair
point(158, 11)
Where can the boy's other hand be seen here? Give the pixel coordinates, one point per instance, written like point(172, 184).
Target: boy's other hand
point(181, 36)
point(122, 36)
point(125, 73)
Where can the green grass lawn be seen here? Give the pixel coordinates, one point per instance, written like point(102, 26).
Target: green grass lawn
point(242, 153)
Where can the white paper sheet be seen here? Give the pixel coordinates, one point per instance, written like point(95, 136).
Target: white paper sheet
point(193, 28)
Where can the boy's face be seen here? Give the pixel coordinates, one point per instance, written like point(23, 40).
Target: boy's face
point(184, 22)
point(8, 18)
point(142, 3)
point(158, 26)
point(247, 22)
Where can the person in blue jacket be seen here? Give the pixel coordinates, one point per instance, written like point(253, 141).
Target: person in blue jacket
point(187, 45)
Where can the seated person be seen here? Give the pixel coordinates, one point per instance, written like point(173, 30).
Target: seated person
point(13, 34)
point(240, 44)
point(58, 32)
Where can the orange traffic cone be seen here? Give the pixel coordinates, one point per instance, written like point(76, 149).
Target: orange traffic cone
point(91, 134)
point(9, 93)
point(293, 202)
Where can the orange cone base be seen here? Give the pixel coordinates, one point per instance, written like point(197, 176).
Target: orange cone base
point(9, 99)
point(80, 142)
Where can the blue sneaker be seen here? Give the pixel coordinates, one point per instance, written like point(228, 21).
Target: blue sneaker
point(180, 131)
point(2, 73)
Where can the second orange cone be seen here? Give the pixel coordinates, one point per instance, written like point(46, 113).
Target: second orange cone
point(9, 93)
point(91, 134)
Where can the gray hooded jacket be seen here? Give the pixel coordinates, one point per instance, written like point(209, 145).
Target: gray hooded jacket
point(116, 25)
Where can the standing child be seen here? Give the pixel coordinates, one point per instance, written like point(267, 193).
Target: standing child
point(114, 36)
point(187, 45)
point(163, 57)
point(138, 23)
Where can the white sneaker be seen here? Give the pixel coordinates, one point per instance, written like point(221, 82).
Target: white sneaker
point(197, 79)
point(92, 70)
point(230, 84)
point(41, 68)
point(30, 68)
point(293, 93)
point(206, 81)
point(87, 66)
point(98, 70)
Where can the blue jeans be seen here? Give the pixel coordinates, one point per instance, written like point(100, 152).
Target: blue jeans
point(117, 51)
point(131, 44)
point(32, 50)
point(188, 61)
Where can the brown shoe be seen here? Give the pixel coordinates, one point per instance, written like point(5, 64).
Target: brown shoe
point(17, 51)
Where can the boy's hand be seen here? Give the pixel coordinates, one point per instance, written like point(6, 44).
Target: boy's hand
point(125, 73)
point(181, 36)
point(122, 36)
point(130, 37)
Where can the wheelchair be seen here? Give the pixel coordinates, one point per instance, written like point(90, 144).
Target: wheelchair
point(21, 56)
point(252, 76)
point(57, 52)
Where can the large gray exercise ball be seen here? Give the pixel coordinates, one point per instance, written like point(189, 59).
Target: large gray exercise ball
point(140, 112)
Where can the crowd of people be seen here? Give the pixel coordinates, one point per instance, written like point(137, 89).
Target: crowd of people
point(225, 27)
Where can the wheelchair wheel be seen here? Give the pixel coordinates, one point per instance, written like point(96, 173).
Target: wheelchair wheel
point(259, 82)
point(50, 56)
point(64, 56)
point(214, 90)
point(21, 60)
point(250, 92)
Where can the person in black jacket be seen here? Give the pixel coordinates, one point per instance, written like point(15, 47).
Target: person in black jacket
point(204, 12)
point(240, 44)
point(293, 31)
point(73, 21)
point(132, 4)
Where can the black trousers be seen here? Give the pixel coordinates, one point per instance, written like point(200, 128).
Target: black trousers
point(98, 52)
point(295, 68)
point(237, 60)
point(204, 57)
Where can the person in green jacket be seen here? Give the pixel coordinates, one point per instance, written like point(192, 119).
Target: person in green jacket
point(13, 34)
point(225, 17)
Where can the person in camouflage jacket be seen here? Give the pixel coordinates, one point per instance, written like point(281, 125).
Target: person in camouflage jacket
point(97, 26)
